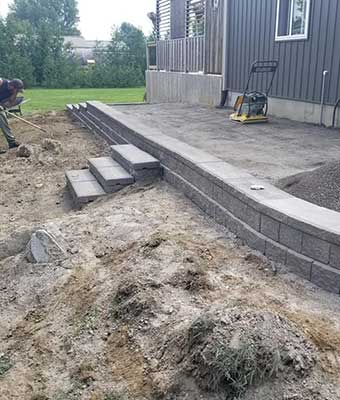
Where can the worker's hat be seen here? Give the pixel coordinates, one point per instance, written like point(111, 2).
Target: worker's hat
point(18, 84)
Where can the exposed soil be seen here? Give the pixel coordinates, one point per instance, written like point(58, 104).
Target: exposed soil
point(33, 188)
point(320, 186)
point(155, 301)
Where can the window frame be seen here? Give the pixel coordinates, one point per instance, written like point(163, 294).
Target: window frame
point(290, 37)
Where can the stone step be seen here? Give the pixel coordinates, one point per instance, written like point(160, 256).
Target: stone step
point(110, 174)
point(83, 186)
point(141, 165)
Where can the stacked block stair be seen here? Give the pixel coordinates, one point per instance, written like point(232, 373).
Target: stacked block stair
point(105, 175)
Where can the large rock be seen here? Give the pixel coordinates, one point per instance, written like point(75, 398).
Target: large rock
point(43, 248)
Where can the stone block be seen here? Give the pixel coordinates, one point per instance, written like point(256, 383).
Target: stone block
point(276, 252)
point(326, 277)
point(83, 186)
point(270, 227)
point(315, 248)
point(335, 256)
point(110, 174)
point(134, 157)
point(252, 238)
point(290, 237)
point(220, 215)
point(299, 264)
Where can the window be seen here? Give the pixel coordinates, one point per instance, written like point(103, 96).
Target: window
point(292, 19)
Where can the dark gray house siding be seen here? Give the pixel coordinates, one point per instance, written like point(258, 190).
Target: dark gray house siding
point(252, 25)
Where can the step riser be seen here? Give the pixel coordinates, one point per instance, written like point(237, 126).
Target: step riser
point(142, 171)
point(109, 188)
point(83, 187)
point(145, 174)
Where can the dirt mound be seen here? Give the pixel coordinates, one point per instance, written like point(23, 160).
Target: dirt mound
point(193, 278)
point(320, 186)
point(229, 351)
point(134, 298)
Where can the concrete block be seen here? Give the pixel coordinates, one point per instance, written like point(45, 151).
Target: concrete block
point(270, 227)
point(147, 175)
point(335, 256)
point(276, 252)
point(315, 248)
point(299, 264)
point(290, 237)
point(326, 277)
point(306, 217)
point(83, 186)
point(134, 157)
point(239, 209)
point(82, 175)
point(110, 174)
point(220, 216)
point(252, 238)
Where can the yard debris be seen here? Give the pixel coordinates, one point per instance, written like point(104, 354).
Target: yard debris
point(52, 145)
point(24, 151)
point(43, 248)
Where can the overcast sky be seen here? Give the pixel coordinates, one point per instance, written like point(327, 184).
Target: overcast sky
point(98, 16)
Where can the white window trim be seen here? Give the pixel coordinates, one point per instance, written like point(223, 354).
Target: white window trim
point(292, 37)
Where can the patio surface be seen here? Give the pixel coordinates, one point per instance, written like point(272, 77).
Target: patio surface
point(270, 151)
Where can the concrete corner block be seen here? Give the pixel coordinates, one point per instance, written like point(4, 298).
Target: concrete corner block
point(335, 256)
point(315, 248)
point(299, 264)
point(276, 252)
point(326, 277)
point(290, 237)
point(270, 227)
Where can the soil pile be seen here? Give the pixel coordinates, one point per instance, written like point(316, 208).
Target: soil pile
point(229, 351)
point(320, 186)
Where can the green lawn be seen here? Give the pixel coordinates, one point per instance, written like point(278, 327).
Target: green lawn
point(55, 99)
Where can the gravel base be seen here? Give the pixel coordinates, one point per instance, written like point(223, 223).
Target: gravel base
point(320, 186)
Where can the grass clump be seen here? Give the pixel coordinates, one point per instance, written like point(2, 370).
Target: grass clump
point(230, 351)
point(5, 365)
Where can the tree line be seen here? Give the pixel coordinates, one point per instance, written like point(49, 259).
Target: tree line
point(32, 47)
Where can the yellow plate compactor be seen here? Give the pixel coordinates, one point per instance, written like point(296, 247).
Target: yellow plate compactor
point(252, 106)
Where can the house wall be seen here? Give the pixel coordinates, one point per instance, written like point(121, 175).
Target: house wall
point(302, 62)
point(177, 19)
point(214, 37)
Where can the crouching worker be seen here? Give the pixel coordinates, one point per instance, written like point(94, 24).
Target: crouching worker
point(9, 98)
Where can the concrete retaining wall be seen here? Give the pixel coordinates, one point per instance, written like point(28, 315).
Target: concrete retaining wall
point(180, 87)
point(298, 234)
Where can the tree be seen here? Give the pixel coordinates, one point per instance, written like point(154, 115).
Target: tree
point(128, 42)
point(15, 51)
point(60, 15)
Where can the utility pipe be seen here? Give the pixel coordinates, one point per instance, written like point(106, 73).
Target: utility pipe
point(225, 44)
point(325, 73)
